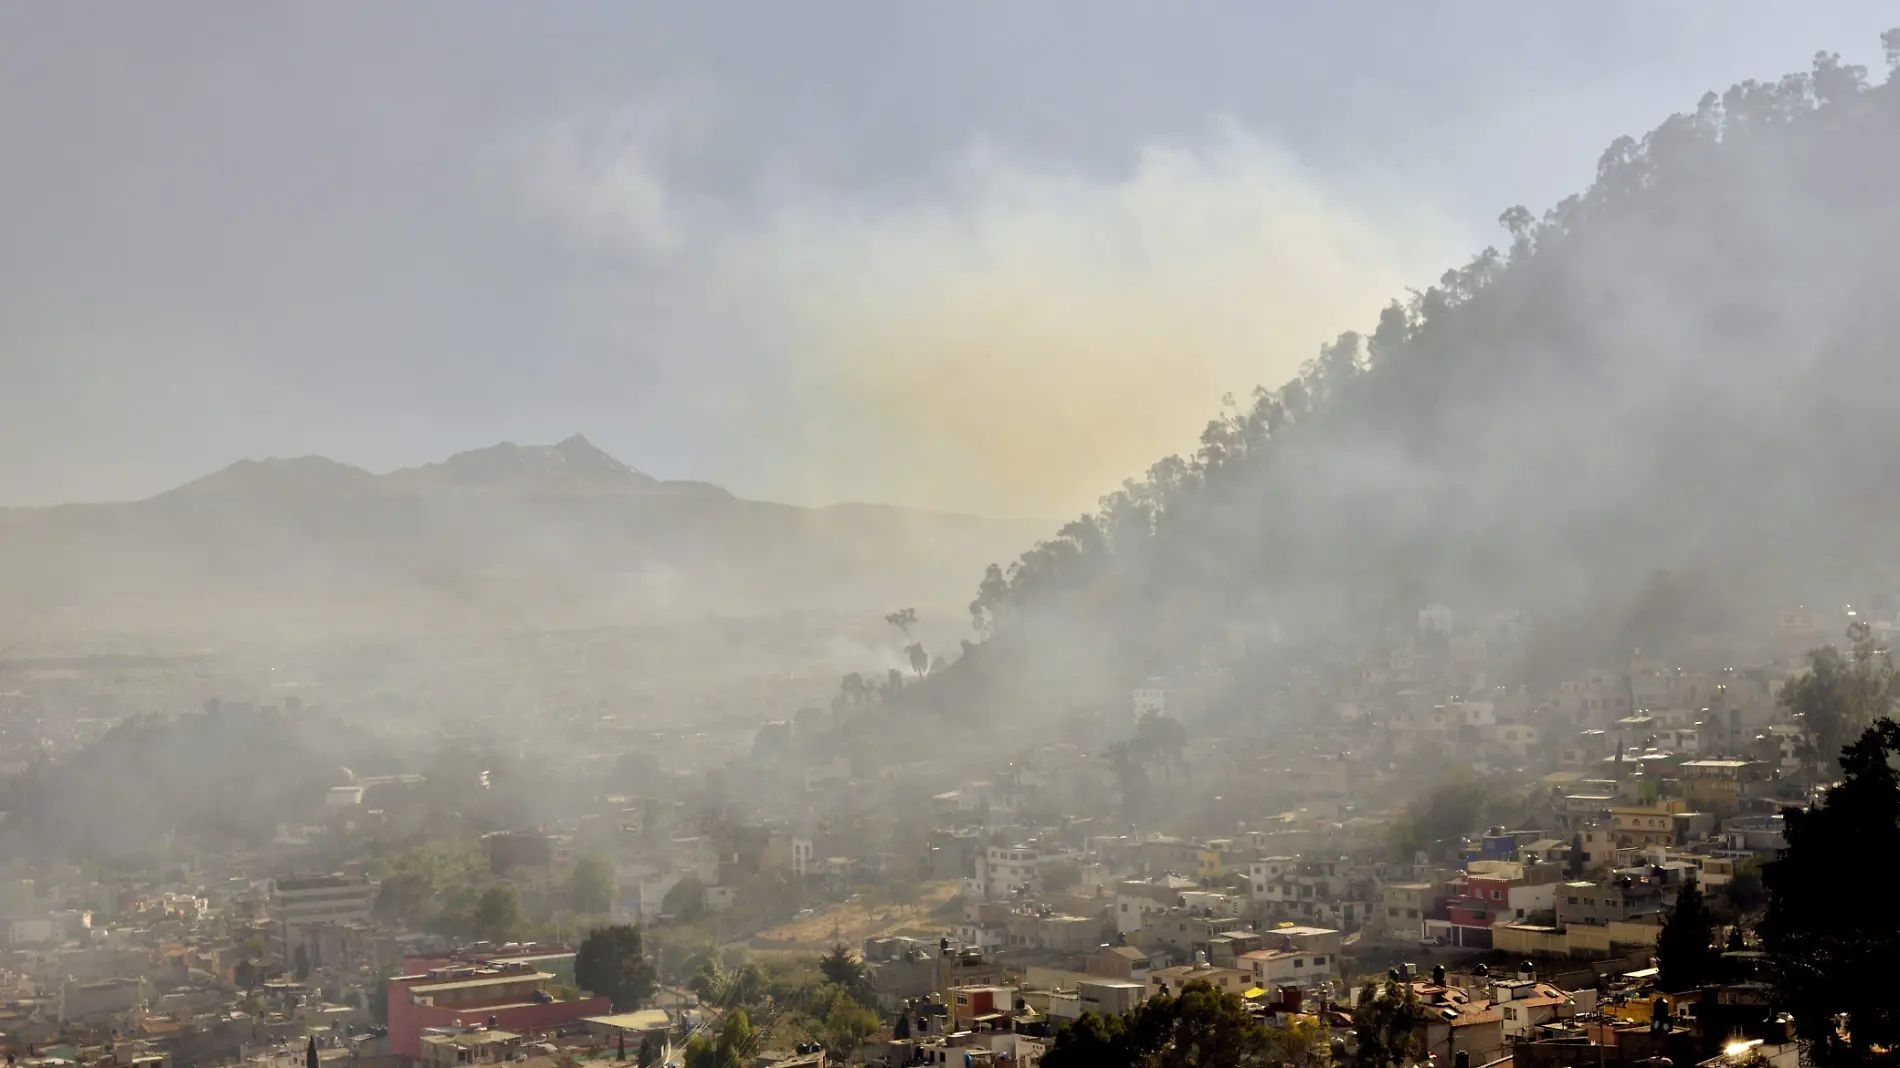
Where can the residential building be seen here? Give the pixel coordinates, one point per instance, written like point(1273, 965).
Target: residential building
point(1403, 907)
point(1648, 824)
point(1171, 980)
point(1720, 785)
point(1111, 997)
point(1118, 962)
point(1186, 931)
point(1004, 870)
point(1134, 897)
point(303, 902)
point(1620, 900)
point(1295, 956)
point(1525, 1004)
point(512, 997)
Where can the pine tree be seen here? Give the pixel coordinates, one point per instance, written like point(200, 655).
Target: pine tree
point(1686, 957)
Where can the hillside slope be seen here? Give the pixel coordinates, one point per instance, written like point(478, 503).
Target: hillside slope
point(508, 536)
point(1679, 379)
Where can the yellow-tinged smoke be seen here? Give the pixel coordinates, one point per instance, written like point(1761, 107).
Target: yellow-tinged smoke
point(1022, 346)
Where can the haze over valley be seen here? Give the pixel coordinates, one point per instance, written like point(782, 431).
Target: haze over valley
point(1104, 537)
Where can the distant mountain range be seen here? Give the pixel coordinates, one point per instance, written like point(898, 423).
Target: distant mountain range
point(507, 536)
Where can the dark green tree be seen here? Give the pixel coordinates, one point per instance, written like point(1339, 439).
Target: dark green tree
point(379, 1001)
point(1201, 1026)
point(1686, 957)
point(844, 1022)
point(1746, 894)
point(733, 1048)
point(1387, 1025)
point(686, 901)
point(245, 975)
point(612, 962)
point(842, 967)
point(1092, 1041)
point(300, 963)
point(1833, 939)
point(1839, 695)
point(592, 889)
point(1573, 866)
point(652, 1048)
point(497, 915)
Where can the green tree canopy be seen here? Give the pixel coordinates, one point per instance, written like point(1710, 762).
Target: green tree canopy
point(497, 916)
point(1746, 893)
point(612, 962)
point(1386, 1025)
point(592, 888)
point(1201, 1026)
point(733, 1048)
point(1686, 956)
point(843, 968)
point(1832, 937)
point(1840, 694)
point(686, 901)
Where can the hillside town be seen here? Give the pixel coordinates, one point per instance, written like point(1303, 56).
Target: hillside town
point(1519, 893)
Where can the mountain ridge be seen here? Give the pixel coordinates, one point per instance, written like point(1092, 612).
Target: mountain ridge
point(523, 535)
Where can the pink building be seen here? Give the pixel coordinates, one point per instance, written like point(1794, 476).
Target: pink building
point(507, 997)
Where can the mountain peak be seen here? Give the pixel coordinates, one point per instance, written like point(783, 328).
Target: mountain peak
point(584, 455)
point(297, 474)
point(575, 460)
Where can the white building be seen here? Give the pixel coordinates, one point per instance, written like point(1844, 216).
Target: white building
point(1151, 696)
point(1003, 870)
point(298, 903)
point(1289, 967)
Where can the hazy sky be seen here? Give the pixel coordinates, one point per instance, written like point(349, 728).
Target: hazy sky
point(980, 256)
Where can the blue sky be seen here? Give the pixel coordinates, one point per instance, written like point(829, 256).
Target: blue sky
point(987, 257)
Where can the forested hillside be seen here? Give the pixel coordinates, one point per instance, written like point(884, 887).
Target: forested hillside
point(1669, 397)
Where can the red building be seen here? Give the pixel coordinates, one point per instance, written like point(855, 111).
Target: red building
point(508, 997)
point(1465, 916)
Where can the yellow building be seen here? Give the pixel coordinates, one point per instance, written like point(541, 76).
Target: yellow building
point(1719, 785)
point(1647, 825)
